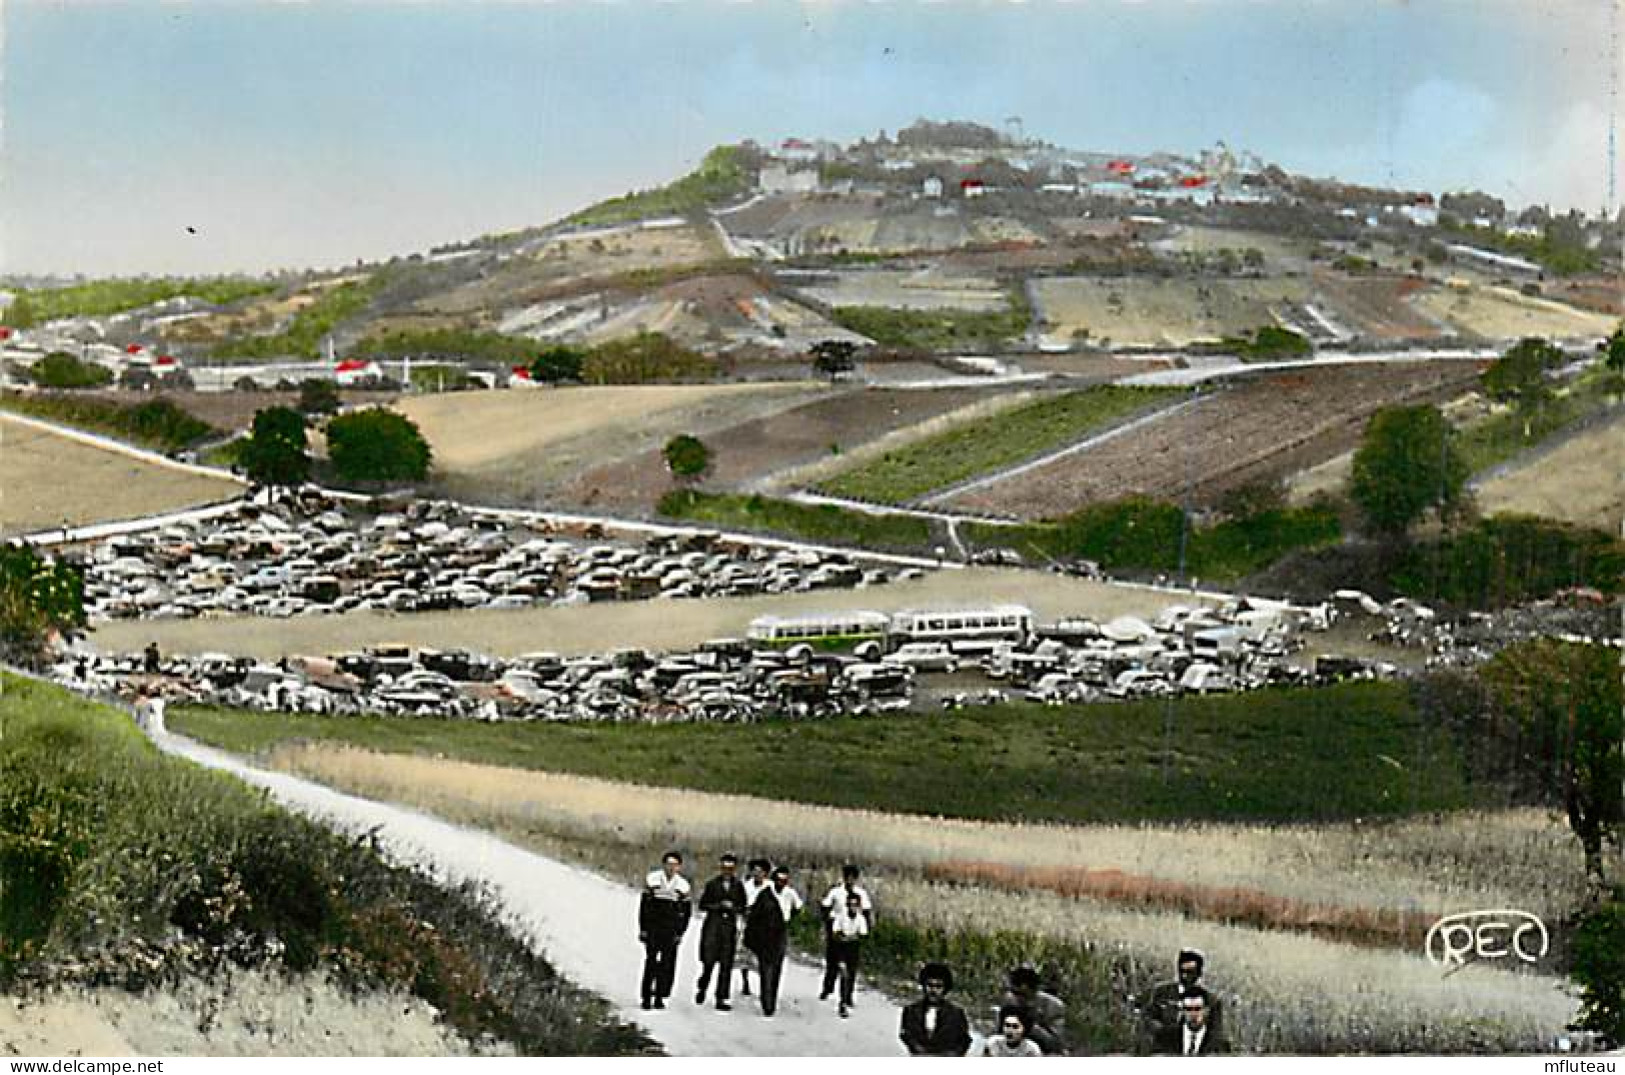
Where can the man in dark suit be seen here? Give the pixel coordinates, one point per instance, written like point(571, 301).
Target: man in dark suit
point(723, 901)
point(767, 933)
point(1193, 1036)
point(933, 1025)
point(1160, 1015)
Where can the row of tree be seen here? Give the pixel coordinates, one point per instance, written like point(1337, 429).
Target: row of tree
point(365, 447)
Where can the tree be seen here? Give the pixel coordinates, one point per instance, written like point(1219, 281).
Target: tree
point(59, 369)
point(1597, 961)
point(687, 457)
point(317, 395)
point(377, 445)
point(1406, 463)
point(1565, 710)
point(38, 598)
point(1613, 357)
point(558, 364)
point(276, 452)
point(833, 357)
point(1519, 376)
point(21, 314)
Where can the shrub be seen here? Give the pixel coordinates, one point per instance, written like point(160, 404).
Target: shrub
point(1598, 967)
point(156, 423)
point(1507, 559)
point(38, 598)
point(647, 358)
point(687, 457)
point(62, 370)
point(377, 445)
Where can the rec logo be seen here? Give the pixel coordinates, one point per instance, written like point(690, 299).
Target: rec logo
point(1457, 939)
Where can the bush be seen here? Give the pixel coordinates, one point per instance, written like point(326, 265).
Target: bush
point(377, 445)
point(687, 457)
point(275, 452)
point(1407, 463)
point(318, 396)
point(62, 370)
point(157, 423)
point(558, 364)
point(1598, 967)
point(38, 598)
point(1509, 559)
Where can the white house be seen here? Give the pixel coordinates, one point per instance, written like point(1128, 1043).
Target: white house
point(353, 371)
point(782, 179)
point(932, 186)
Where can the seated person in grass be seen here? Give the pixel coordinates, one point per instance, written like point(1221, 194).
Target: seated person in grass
point(1012, 1039)
point(1046, 1012)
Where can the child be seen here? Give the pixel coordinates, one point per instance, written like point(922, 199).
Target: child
point(847, 928)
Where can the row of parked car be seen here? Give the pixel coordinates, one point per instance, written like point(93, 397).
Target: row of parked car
point(312, 557)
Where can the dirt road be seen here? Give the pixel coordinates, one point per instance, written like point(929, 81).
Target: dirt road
point(586, 925)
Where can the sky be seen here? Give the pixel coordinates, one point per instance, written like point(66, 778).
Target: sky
point(234, 135)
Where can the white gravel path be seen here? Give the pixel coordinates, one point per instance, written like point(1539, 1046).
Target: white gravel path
point(586, 925)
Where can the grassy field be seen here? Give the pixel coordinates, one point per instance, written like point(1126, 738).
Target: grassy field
point(47, 480)
point(602, 626)
point(303, 335)
point(1347, 751)
point(120, 864)
point(1151, 312)
point(911, 290)
point(1498, 313)
point(504, 444)
point(721, 176)
point(1579, 481)
point(810, 522)
point(989, 443)
point(940, 329)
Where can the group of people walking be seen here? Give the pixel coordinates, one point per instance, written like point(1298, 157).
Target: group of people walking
point(757, 910)
point(1179, 1017)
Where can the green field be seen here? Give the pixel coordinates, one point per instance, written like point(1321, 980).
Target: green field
point(303, 336)
point(812, 522)
point(987, 444)
point(722, 176)
point(936, 330)
point(159, 867)
point(1355, 750)
point(1499, 437)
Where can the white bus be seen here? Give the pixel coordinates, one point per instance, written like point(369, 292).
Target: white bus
point(828, 629)
point(966, 630)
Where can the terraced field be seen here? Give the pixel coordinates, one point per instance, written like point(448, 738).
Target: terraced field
point(1148, 312)
point(1267, 426)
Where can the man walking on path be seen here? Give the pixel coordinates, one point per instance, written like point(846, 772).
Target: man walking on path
point(723, 901)
point(754, 884)
point(663, 914)
point(934, 1025)
point(833, 904)
point(846, 932)
point(767, 933)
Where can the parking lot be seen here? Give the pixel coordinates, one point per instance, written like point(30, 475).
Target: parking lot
point(313, 557)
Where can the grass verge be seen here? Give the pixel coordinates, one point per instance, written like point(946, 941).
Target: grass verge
point(118, 865)
point(813, 522)
point(989, 443)
point(156, 424)
point(937, 330)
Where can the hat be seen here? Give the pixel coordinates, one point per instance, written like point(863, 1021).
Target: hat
point(937, 972)
point(728, 857)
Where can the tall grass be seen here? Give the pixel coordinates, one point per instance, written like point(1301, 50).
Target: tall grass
point(1286, 991)
point(120, 866)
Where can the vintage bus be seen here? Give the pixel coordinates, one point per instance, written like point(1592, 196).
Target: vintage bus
point(965, 630)
point(828, 630)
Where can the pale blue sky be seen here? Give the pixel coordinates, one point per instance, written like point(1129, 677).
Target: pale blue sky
point(315, 133)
